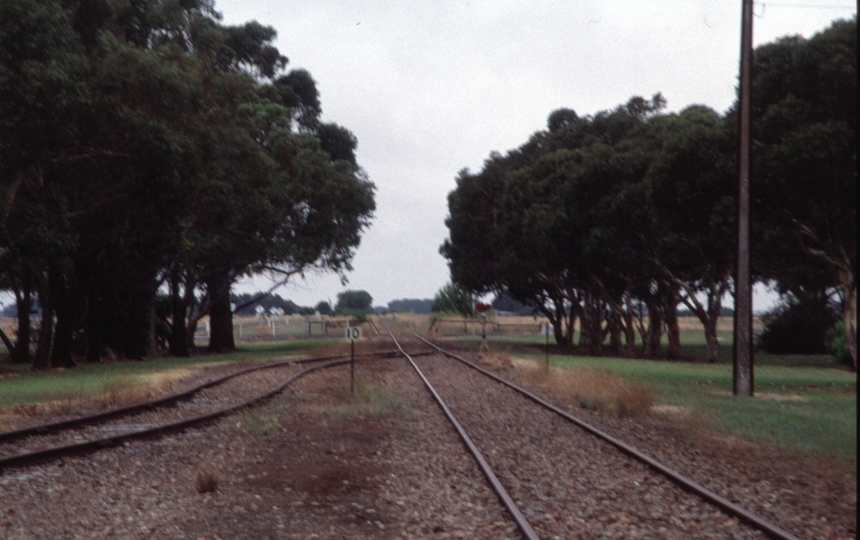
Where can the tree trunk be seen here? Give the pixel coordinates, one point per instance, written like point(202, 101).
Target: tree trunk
point(655, 330)
point(571, 325)
point(179, 330)
point(711, 340)
point(629, 330)
point(591, 334)
point(561, 338)
point(24, 304)
point(8, 343)
point(46, 331)
point(710, 315)
point(673, 331)
point(220, 314)
point(560, 321)
point(135, 338)
point(152, 338)
point(61, 352)
point(95, 337)
point(615, 330)
point(585, 333)
point(849, 312)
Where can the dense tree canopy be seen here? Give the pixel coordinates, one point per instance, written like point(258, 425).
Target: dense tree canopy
point(605, 218)
point(415, 305)
point(353, 299)
point(805, 106)
point(453, 299)
point(145, 144)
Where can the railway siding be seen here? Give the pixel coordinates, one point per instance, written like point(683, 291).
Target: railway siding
point(316, 461)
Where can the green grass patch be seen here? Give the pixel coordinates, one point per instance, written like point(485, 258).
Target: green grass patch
point(337, 403)
point(370, 399)
point(693, 346)
point(25, 387)
point(803, 404)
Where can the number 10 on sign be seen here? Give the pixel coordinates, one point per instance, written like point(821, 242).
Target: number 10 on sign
point(353, 332)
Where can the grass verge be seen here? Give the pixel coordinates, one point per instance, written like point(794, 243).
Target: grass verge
point(117, 383)
point(803, 407)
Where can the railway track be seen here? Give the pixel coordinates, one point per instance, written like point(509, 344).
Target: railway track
point(523, 450)
point(558, 478)
point(202, 403)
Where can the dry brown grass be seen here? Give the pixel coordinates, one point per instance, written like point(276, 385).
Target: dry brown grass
point(595, 390)
point(337, 349)
point(495, 359)
point(405, 323)
point(117, 393)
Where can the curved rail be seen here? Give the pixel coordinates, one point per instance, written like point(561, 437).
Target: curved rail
point(373, 324)
point(506, 499)
point(48, 454)
point(685, 482)
point(53, 427)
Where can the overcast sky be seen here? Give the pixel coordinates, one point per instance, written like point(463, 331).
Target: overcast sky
point(431, 87)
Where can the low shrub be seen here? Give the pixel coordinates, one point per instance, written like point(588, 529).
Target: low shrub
point(837, 343)
point(596, 390)
point(358, 315)
point(797, 326)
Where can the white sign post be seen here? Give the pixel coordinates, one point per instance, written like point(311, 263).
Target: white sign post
point(352, 333)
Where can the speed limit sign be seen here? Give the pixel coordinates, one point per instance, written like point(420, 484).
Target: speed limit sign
point(353, 332)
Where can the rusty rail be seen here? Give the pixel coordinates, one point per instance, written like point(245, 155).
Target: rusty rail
point(506, 499)
point(685, 482)
point(48, 454)
point(80, 421)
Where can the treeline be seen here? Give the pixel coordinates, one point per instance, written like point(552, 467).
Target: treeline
point(146, 146)
point(415, 305)
point(609, 217)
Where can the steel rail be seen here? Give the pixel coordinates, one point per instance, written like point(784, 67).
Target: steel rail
point(53, 427)
point(30, 458)
point(506, 499)
point(685, 482)
point(373, 324)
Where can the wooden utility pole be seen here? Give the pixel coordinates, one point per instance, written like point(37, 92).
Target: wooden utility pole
point(742, 372)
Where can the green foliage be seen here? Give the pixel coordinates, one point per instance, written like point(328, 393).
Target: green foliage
point(413, 305)
point(503, 302)
point(359, 315)
point(837, 343)
point(452, 298)
point(350, 299)
point(602, 218)
point(324, 308)
point(798, 326)
point(248, 306)
point(146, 141)
point(805, 193)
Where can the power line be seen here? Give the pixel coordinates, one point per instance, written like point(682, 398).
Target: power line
point(809, 6)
